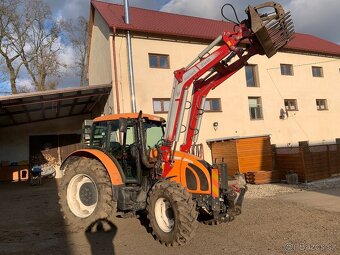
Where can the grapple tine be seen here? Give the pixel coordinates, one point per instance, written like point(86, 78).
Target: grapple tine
point(277, 25)
point(279, 43)
point(273, 30)
point(281, 34)
point(274, 33)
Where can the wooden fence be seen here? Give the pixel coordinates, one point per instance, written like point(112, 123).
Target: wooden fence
point(310, 162)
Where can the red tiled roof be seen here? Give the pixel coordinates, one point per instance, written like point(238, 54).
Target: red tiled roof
point(311, 43)
point(156, 22)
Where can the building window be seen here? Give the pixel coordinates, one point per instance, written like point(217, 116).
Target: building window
point(212, 105)
point(251, 76)
point(286, 69)
point(159, 61)
point(161, 105)
point(321, 104)
point(255, 108)
point(291, 105)
point(317, 71)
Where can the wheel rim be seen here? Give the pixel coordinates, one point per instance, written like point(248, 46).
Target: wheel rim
point(82, 195)
point(164, 215)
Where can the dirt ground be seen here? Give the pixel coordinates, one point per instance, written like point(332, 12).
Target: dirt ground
point(30, 223)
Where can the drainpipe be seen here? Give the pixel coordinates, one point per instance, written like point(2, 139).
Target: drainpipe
point(115, 68)
point(129, 48)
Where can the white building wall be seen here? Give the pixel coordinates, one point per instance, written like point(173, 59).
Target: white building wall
point(305, 124)
point(100, 57)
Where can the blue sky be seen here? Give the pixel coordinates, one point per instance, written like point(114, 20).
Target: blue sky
point(315, 17)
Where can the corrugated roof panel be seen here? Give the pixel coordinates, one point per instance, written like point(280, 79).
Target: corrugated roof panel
point(65, 111)
point(20, 118)
point(36, 115)
point(38, 106)
point(78, 108)
point(51, 113)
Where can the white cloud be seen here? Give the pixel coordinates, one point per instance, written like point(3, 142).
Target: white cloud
point(69, 8)
point(67, 58)
point(319, 18)
point(25, 84)
point(209, 9)
point(199, 8)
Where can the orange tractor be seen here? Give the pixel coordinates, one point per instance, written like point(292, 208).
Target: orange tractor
point(131, 162)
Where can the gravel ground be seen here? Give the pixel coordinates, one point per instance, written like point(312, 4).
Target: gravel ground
point(269, 190)
point(30, 223)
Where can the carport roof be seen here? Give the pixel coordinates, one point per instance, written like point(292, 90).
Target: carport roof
point(47, 105)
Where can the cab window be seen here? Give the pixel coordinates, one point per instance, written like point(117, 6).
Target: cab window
point(130, 135)
point(99, 135)
point(154, 134)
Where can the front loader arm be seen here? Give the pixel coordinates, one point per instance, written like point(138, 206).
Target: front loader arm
point(184, 78)
point(201, 89)
point(265, 34)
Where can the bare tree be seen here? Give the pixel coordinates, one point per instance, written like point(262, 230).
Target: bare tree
point(77, 32)
point(10, 30)
point(43, 46)
point(29, 37)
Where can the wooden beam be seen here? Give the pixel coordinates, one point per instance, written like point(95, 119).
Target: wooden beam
point(43, 108)
point(46, 119)
point(8, 114)
point(64, 98)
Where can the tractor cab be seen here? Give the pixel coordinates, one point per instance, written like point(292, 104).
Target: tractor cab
point(131, 139)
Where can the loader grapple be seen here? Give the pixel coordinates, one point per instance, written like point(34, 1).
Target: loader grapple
point(272, 30)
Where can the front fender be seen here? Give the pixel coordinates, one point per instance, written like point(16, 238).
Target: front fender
point(109, 164)
point(191, 172)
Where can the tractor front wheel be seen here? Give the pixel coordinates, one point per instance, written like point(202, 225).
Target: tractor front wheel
point(172, 213)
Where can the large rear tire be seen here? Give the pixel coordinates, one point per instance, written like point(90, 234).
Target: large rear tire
point(85, 194)
point(172, 213)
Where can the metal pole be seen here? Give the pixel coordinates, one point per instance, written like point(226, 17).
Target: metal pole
point(130, 63)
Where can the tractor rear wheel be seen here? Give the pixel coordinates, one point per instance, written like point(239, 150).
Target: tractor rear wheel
point(172, 213)
point(86, 194)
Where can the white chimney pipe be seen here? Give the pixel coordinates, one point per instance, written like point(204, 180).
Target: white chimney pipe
point(130, 63)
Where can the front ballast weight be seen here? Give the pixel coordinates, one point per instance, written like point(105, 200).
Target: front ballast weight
point(272, 30)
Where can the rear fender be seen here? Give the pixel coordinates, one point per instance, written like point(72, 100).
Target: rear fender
point(110, 165)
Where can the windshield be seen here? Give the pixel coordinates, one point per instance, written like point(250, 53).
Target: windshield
point(106, 134)
point(154, 134)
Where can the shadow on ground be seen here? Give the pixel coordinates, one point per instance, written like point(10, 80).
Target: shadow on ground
point(31, 222)
point(100, 235)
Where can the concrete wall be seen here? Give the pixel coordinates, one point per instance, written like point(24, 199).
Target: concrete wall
point(15, 140)
point(305, 124)
point(100, 57)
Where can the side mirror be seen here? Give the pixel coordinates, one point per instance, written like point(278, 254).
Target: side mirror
point(123, 125)
point(86, 133)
